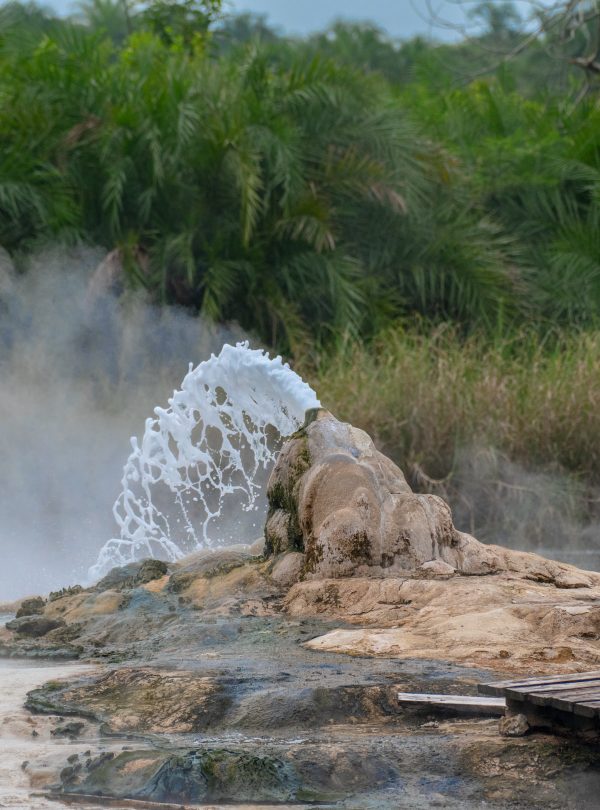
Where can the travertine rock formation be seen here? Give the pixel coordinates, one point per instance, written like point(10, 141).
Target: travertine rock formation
point(335, 498)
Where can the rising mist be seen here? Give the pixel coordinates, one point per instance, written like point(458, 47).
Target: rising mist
point(76, 381)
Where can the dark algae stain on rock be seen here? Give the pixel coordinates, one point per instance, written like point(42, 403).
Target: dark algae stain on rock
point(34, 626)
point(221, 775)
point(31, 607)
point(132, 575)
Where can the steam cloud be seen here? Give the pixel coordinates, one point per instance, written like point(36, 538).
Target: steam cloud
point(75, 383)
point(547, 512)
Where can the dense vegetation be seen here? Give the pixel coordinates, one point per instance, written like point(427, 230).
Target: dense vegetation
point(307, 189)
point(341, 196)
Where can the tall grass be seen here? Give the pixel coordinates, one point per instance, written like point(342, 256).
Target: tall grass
point(425, 398)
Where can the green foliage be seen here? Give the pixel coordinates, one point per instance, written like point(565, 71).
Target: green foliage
point(294, 197)
point(314, 191)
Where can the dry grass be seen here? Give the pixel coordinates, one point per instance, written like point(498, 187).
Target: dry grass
point(425, 398)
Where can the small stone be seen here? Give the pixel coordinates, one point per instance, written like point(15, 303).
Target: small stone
point(31, 607)
point(150, 569)
point(288, 569)
point(72, 730)
point(513, 725)
point(68, 775)
point(437, 568)
point(34, 626)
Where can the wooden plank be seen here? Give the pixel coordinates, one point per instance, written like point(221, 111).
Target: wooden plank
point(587, 708)
point(525, 693)
point(465, 702)
point(498, 687)
point(566, 701)
point(569, 703)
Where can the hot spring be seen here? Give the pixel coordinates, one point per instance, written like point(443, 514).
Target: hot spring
point(197, 477)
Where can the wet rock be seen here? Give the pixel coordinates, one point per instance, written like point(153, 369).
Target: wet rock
point(333, 496)
point(221, 775)
point(34, 626)
point(513, 725)
point(132, 575)
point(145, 699)
point(70, 730)
point(31, 607)
point(199, 775)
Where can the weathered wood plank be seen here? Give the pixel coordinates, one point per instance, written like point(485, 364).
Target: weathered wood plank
point(498, 687)
point(538, 694)
point(566, 701)
point(491, 705)
point(576, 695)
point(587, 708)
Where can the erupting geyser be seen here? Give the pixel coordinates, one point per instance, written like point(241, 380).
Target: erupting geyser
point(202, 462)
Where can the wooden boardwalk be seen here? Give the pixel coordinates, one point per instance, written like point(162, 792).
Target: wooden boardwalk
point(462, 703)
point(555, 701)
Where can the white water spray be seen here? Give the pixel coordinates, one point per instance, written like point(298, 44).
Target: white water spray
point(203, 462)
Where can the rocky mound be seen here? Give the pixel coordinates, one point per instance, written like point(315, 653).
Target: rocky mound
point(369, 551)
point(348, 508)
point(347, 541)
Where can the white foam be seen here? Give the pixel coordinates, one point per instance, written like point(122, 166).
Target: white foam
point(198, 476)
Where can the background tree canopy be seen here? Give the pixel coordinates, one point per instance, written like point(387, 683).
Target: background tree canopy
point(312, 189)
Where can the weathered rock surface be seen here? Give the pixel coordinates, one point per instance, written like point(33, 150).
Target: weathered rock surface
point(145, 699)
point(500, 621)
point(348, 508)
point(129, 576)
point(34, 626)
point(31, 607)
point(187, 776)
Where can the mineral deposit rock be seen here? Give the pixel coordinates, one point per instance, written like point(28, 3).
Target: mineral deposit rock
point(348, 508)
point(34, 626)
point(31, 607)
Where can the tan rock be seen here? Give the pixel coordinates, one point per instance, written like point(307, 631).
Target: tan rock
point(147, 699)
point(288, 569)
point(513, 725)
point(437, 568)
point(335, 497)
point(501, 621)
